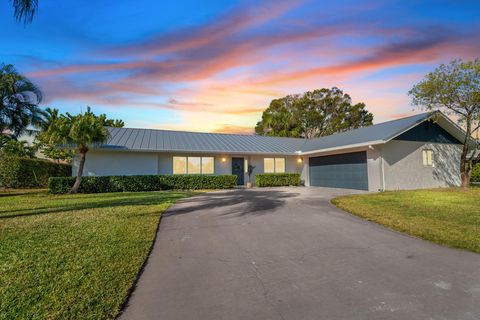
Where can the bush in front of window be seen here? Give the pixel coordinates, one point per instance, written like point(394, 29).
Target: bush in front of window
point(142, 183)
point(277, 179)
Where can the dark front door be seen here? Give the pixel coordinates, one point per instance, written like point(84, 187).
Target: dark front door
point(238, 170)
point(347, 170)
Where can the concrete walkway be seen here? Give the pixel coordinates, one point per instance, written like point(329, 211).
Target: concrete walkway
point(287, 253)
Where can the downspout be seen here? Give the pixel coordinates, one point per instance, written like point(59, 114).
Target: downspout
point(382, 169)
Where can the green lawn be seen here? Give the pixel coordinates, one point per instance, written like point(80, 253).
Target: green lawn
point(450, 217)
point(74, 256)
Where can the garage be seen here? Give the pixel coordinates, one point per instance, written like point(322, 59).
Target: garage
point(347, 170)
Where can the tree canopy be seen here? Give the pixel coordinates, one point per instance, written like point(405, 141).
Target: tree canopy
point(19, 99)
point(313, 114)
point(454, 89)
point(76, 132)
point(50, 147)
point(15, 148)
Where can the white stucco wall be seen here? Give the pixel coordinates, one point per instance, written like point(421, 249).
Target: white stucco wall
point(165, 162)
point(404, 167)
point(291, 164)
point(108, 163)
point(104, 163)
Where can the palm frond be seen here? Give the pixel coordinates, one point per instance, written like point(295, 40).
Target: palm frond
point(24, 10)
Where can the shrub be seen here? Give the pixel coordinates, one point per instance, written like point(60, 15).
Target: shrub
point(30, 173)
point(476, 173)
point(277, 179)
point(142, 183)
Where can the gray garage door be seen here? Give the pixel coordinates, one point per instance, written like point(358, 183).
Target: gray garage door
point(348, 170)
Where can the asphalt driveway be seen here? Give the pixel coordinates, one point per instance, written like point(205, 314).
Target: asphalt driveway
point(287, 253)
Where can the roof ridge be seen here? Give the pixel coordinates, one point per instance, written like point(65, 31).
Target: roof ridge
point(209, 133)
point(293, 138)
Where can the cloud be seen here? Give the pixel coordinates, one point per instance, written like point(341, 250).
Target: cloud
point(231, 67)
point(228, 128)
point(423, 48)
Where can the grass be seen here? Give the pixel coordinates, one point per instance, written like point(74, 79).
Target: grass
point(449, 217)
point(74, 256)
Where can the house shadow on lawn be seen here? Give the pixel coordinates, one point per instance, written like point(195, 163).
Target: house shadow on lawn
point(237, 202)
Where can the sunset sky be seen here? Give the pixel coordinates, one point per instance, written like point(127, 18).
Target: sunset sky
point(215, 65)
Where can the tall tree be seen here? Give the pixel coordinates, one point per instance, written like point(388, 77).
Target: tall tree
point(79, 132)
point(313, 114)
point(454, 89)
point(24, 10)
point(19, 99)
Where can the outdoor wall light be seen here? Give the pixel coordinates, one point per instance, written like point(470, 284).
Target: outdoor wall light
point(299, 160)
point(224, 159)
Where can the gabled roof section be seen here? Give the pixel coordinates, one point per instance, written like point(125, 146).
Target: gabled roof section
point(375, 134)
point(179, 141)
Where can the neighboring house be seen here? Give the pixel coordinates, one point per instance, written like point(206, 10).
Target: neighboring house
point(408, 153)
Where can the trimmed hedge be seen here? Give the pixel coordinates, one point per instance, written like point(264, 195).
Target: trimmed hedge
point(476, 173)
point(277, 179)
point(18, 172)
point(142, 183)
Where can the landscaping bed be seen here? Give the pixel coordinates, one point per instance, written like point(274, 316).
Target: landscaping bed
point(74, 256)
point(450, 217)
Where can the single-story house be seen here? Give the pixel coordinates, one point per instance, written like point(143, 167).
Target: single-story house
point(421, 151)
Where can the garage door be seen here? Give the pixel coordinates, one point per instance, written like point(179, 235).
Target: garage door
point(348, 170)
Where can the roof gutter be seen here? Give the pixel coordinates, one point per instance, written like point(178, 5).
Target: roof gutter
point(350, 146)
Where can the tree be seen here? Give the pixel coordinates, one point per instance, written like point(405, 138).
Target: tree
point(112, 123)
point(313, 114)
point(454, 89)
point(24, 10)
point(53, 150)
point(19, 99)
point(50, 150)
point(79, 132)
point(14, 148)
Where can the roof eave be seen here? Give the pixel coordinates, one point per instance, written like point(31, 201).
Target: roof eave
point(350, 146)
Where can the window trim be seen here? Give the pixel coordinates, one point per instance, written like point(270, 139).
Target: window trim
point(275, 164)
point(201, 165)
point(284, 165)
point(186, 165)
point(425, 158)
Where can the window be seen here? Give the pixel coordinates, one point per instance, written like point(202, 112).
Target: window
point(193, 165)
point(427, 156)
point(279, 165)
point(207, 165)
point(272, 165)
point(268, 165)
point(246, 166)
point(179, 165)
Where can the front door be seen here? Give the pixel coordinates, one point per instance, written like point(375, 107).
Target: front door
point(238, 170)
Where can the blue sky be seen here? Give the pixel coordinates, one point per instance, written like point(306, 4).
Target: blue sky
point(214, 66)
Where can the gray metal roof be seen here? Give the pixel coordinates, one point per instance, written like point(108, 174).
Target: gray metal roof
point(165, 140)
point(376, 133)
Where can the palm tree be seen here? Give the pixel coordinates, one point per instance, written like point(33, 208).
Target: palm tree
point(78, 132)
point(24, 10)
point(19, 99)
